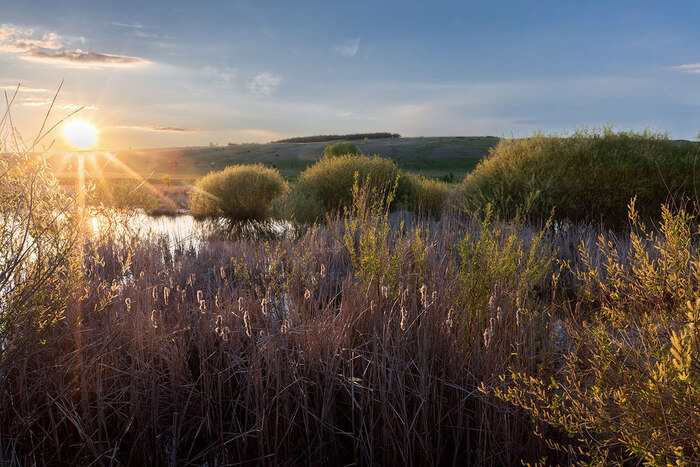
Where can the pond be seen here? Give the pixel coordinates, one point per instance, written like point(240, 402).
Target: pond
point(183, 229)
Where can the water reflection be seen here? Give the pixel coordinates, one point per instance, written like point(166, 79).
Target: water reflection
point(183, 230)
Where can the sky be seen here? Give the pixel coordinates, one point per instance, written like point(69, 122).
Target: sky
point(179, 73)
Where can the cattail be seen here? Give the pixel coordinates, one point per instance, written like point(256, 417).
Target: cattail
point(153, 319)
point(217, 301)
point(127, 301)
point(404, 318)
point(246, 323)
point(200, 295)
point(323, 270)
point(240, 303)
point(286, 326)
point(166, 295)
point(307, 294)
point(499, 314)
point(488, 335)
point(263, 306)
point(385, 291)
point(222, 273)
point(154, 294)
point(449, 320)
point(424, 296)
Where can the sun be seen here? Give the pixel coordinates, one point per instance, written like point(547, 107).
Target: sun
point(80, 133)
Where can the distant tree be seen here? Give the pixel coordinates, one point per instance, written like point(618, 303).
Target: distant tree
point(341, 149)
point(324, 138)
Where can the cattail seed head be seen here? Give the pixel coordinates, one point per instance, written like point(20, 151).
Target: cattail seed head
point(246, 323)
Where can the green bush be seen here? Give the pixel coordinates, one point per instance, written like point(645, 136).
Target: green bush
point(590, 175)
point(239, 192)
point(327, 185)
point(422, 194)
point(341, 149)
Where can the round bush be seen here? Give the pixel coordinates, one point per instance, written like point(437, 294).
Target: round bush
point(341, 149)
point(239, 192)
point(326, 186)
point(422, 195)
point(589, 176)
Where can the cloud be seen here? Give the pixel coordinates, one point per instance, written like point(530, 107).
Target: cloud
point(52, 48)
point(349, 48)
point(265, 84)
point(157, 128)
point(127, 25)
point(79, 57)
point(688, 68)
point(23, 89)
point(224, 74)
point(39, 102)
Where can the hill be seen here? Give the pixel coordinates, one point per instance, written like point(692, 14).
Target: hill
point(430, 156)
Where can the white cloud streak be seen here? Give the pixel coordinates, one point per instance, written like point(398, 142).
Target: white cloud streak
point(349, 48)
point(265, 84)
point(688, 68)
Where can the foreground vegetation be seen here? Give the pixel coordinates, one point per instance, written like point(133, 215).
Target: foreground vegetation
point(378, 336)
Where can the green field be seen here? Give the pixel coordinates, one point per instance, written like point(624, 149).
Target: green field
point(430, 156)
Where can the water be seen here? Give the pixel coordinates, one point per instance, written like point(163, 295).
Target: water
point(183, 229)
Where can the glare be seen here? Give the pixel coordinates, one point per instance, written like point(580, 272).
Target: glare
point(80, 134)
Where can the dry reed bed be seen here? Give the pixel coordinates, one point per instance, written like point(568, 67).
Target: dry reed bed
point(273, 353)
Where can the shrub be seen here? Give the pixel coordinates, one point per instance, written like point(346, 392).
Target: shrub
point(628, 378)
point(239, 192)
point(340, 149)
point(327, 185)
point(588, 176)
point(423, 194)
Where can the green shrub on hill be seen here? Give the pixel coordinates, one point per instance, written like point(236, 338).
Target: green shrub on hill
point(239, 192)
point(590, 175)
point(423, 195)
point(340, 149)
point(327, 185)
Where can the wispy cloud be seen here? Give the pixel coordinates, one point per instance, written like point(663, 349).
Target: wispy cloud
point(23, 89)
point(39, 102)
point(688, 68)
point(265, 84)
point(224, 74)
point(52, 48)
point(79, 57)
point(128, 25)
point(349, 48)
point(157, 128)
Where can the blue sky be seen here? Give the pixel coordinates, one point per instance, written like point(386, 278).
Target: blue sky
point(172, 73)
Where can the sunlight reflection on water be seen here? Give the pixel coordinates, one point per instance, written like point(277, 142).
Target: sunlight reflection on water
point(183, 230)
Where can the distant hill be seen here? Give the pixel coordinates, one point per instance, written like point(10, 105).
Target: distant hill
point(430, 156)
point(326, 138)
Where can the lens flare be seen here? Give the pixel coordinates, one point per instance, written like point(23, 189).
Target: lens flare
point(80, 134)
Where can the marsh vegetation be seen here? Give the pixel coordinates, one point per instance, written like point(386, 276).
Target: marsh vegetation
point(406, 322)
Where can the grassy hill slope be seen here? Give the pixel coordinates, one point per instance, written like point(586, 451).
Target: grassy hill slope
point(431, 156)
